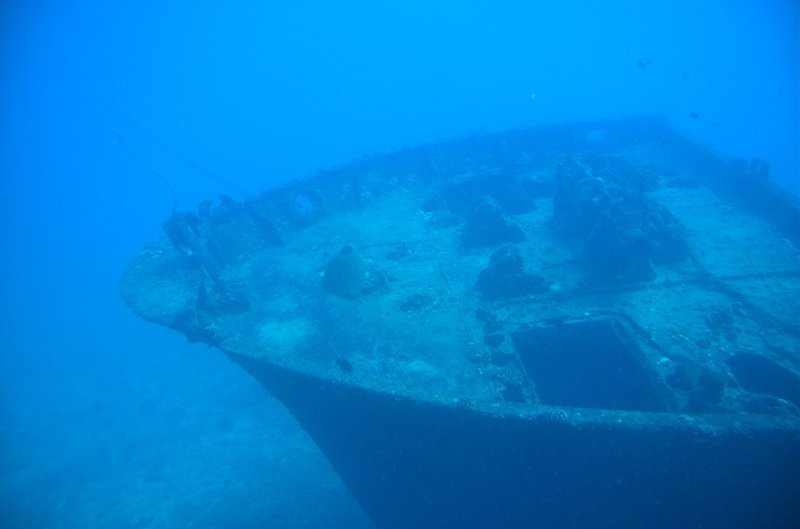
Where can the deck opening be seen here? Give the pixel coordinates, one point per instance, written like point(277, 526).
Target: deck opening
point(761, 375)
point(590, 364)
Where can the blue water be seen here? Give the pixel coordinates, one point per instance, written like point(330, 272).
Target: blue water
point(106, 109)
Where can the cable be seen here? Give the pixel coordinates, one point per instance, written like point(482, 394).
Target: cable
point(149, 169)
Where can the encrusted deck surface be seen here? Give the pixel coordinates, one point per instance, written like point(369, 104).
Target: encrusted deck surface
point(428, 274)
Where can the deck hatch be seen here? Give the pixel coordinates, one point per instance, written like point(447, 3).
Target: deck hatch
point(592, 363)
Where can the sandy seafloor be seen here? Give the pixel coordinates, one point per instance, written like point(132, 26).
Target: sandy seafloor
point(221, 453)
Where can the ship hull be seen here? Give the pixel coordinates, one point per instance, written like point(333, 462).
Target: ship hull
point(419, 464)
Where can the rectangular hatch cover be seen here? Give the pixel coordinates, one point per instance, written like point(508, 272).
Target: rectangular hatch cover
point(589, 363)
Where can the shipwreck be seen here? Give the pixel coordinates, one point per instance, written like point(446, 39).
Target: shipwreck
point(578, 325)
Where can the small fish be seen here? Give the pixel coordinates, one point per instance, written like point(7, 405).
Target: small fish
point(644, 62)
point(694, 115)
point(344, 364)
